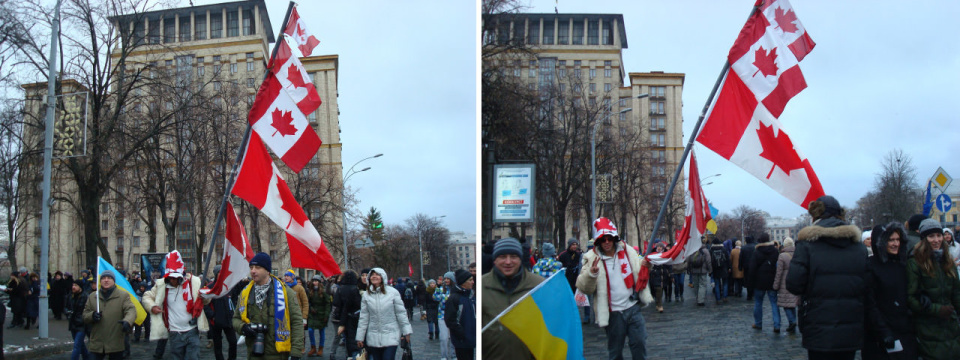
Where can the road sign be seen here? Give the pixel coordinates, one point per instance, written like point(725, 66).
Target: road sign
point(941, 179)
point(944, 203)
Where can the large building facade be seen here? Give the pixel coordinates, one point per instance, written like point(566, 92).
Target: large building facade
point(580, 57)
point(221, 49)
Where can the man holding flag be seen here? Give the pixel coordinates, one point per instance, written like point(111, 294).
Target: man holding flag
point(175, 307)
point(110, 313)
point(502, 286)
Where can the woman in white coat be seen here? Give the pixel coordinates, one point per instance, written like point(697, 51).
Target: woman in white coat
point(383, 319)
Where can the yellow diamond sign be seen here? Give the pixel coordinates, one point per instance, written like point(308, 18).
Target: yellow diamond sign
point(941, 179)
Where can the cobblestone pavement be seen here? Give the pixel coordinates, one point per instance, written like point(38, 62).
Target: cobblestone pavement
point(686, 331)
point(422, 347)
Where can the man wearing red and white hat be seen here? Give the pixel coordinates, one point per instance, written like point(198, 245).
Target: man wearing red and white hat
point(175, 310)
point(613, 279)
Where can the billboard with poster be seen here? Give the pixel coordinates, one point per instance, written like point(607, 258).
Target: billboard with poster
point(514, 189)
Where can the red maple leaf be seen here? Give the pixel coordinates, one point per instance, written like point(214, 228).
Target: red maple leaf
point(289, 204)
point(765, 61)
point(223, 275)
point(785, 20)
point(778, 149)
point(295, 77)
point(283, 122)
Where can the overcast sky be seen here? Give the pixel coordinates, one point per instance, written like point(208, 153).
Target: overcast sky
point(884, 75)
point(408, 90)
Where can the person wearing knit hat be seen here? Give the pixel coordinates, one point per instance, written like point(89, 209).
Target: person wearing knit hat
point(502, 286)
point(110, 315)
point(830, 246)
point(176, 309)
point(570, 259)
point(461, 316)
point(447, 351)
point(290, 279)
point(75, 302)
point(933, 294)
point(259, 312)
point(547, 265)
point(320, 306)
point(262, 260)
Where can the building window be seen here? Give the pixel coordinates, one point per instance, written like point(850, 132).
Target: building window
point(249, 82)
point(593, 88)
point(153, 35)
point(607, 87)
point(563, 33)
point(607, 73)
point(562, 65)
point(104, 225)
point(217, 86)
point(593, 32)
point(250, 66)
point(577, 33)
point(533, 35)
point(623, 116)
point(563, 87)
point(169, 30)
point(532, 72)
point(233, 24)
point(607, 33)
point(656, 107)
point(200, 27)
point(233, 68)
point(250, 99)
point(548, 32)
point(623, 102)
point(200, 70)
point(248, 28)
point(518, 28)
point(657, 91)
point(184, 28)
point(216, 58)
point(216, 26)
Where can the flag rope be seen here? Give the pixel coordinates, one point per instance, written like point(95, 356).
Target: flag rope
point(515, 303)
point(686, 150)
point(240, 152)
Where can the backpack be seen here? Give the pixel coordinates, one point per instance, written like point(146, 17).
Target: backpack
point(408, 294)
point(696, 260)
point(719, 258)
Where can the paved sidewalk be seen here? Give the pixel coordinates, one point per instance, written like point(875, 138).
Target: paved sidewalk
point(25, 344)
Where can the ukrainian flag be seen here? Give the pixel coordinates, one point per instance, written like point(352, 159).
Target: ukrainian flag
point(122, 283)
point(547, 320)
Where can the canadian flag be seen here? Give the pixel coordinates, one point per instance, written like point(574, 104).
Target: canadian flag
point(294, 79)
point(259, 182)
point(695, 220)
point(297, 31)
point(236, 258)
point(282, 125)
point(742, 124)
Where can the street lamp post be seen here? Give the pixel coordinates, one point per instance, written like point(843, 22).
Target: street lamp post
point(343, 214)
point(420, 242)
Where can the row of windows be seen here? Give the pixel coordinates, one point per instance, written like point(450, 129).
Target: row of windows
point(529, 32)
point(562, 68)
point(171, 34)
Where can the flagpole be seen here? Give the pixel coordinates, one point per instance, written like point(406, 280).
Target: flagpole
point(98, 284)
point(241, 151)
point(515, 303)
point(686, 150)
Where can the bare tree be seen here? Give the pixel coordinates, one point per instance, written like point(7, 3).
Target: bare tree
point(896, 194)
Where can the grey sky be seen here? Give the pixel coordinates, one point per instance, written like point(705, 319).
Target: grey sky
point(408, 90)
point(884, 75)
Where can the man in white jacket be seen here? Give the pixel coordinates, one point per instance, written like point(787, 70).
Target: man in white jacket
point(176, 310)
point(613, 280)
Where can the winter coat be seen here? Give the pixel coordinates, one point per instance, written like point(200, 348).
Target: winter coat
point(704, 269)
point(785, 298)
point(660, 275)
point(887, 286)
point(348, 301)
point(763, 267)
point(716, 271)
point(596, 284)
point(412, 301)
point(461, 318)
point(737, 271)
point(938, 338)
point(302, 299)
point(156, 297)
point(74, 307)
point(828, 271)
point(59, 290)
point(383, 319)
point(265, 316)
point(33, 300)
point(17, 288)
point(571, 260)
point(320, 304)
point(498, 341)
point(106, 335)
point(746, 256)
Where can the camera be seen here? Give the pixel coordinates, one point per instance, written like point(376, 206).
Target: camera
point(258, 346)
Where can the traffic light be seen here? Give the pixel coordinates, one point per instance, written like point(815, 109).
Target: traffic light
point(376, 225)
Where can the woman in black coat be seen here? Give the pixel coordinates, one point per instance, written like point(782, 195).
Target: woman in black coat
point(763, 270)
point(887, 286)
point(828, 271)
point(660, 276)
point(348, 302)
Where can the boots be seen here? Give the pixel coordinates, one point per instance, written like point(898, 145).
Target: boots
point(313, 351)
point(320, 351)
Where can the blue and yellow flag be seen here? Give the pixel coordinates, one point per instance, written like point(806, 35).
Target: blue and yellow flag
point(122, 283)
point(547, 320)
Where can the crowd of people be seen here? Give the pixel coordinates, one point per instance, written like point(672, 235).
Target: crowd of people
point(890, 292)
point(275, 316)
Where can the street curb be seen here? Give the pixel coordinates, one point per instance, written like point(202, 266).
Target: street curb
point(40, 350)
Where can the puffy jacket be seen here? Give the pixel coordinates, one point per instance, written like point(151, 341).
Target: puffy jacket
point(939, 338)
point(461, 318)
point(320, 304)
point(784, 298)
point(763, 267)
point(383, 319)
point(156, 297)
point(106, 335)
point(887, 285)
point(828, 271)
point(74, 306)
point(499, 342)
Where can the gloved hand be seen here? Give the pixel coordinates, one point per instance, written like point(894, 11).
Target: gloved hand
point(946, 311)
point(248, 331)
point(126, 326)
point(97, 316)
point(889, 342)
point(192, 322)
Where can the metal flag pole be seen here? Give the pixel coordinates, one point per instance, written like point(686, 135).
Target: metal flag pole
point(240, 154)
point(686, 150)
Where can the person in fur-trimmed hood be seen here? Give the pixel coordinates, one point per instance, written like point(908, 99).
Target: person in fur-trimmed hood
point(828, 271)
point(611, 272)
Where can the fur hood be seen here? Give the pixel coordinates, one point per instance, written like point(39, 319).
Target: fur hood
point(879, 242)
point(768, 243)
point(817, 232)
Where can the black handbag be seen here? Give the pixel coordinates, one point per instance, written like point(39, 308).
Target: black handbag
point(407, 353)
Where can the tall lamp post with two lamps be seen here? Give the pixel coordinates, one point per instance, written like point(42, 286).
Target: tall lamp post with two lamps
point(343, 196)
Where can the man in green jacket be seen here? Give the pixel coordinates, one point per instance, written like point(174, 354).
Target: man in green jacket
point(502, 286)
point(258, 313)
point(110, 319)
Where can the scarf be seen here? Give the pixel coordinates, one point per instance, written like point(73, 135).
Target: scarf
point(194, 307)
point(260, 294)
point(281, 319)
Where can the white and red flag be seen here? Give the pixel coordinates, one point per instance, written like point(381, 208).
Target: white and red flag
point(742, 124)
point(297, 31)
point(237, 254)
point(410, 268)
point(277, 118)
point(259, 182)
point(695, 220)
point(294, 79)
